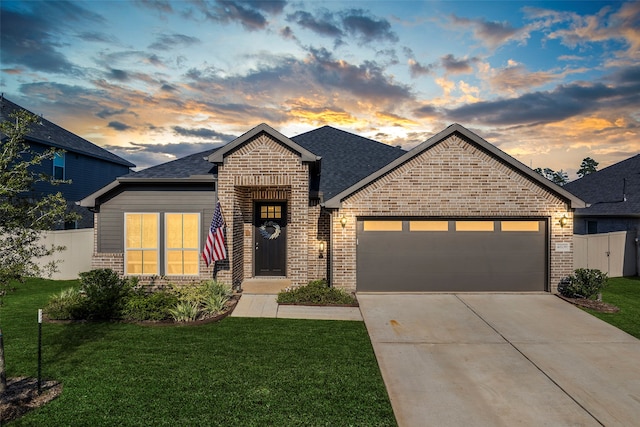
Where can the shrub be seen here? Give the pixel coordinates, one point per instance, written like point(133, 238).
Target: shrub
point(201, 292)
point(185, 312)
point(214, 304)
point(316, 292)
point(583, 283)
point(155, 306)
point(105, 293)
point(69, 304)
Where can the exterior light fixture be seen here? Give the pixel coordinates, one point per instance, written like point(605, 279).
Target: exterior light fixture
point(321, 250)
point(563, 221)
point(343, 221)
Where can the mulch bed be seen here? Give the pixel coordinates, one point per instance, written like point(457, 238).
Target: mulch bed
point(599, 306)
point(21, 396)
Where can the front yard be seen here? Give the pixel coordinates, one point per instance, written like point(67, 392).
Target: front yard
point(237, 372)
point(623, 292)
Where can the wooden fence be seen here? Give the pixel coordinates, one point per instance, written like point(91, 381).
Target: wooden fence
point(76, 258)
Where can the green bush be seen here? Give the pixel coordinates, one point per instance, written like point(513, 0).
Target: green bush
point(214, 304)
point(105, 292)
point(199, 293)
point(583, 283)
point(185, 312)
point(155, 306)
point(316, 292)
point(69, 304)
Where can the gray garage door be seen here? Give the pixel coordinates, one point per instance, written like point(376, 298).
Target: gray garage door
point(452, 255)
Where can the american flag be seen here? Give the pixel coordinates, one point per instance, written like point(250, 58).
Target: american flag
point(214, 250)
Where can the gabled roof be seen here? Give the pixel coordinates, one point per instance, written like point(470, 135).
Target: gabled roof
point(305, 155)
point(346, 158)
point(336, 201)
point(191, 168)
point(50, 134)
point(612, 191)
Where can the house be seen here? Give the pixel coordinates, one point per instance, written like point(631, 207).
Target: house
point(613, 197)
point(86, 165)
point(453, 214)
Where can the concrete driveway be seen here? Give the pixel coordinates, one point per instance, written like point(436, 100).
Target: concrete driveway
point(501, 360)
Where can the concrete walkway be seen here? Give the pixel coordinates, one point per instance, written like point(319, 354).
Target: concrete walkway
point(501, 360)
point(265, 305)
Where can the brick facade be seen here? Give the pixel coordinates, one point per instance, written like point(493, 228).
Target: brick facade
point(453, 178)
point(264, 169)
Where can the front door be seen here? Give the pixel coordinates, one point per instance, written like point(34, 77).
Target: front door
point(270, 238)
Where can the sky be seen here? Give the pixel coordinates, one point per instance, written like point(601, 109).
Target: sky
point(550, 83)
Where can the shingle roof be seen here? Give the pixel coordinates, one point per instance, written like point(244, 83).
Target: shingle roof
point(612, 191)
point(346, 158)
point(50, 134)
point(184, 167)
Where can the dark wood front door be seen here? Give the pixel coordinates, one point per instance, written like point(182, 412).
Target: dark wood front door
point(270, 238)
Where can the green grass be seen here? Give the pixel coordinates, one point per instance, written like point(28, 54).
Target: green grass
point(623, 292)
point(237, 372)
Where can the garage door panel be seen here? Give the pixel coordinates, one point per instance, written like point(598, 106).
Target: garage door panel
point(452, 261)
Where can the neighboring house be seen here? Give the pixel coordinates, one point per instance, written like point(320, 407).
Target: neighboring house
point(453, 214)
point(86, 165)
point(613, 197)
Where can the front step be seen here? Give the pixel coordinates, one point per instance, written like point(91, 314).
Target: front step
point(262, 286)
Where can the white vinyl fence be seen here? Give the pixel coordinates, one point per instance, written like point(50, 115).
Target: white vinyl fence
point(76, 258)
point(613, 253)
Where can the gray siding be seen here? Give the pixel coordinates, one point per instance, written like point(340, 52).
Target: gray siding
point(606, 224)
point(194, 198)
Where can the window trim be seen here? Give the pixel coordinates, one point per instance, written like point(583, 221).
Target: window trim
point(166, 248)
point(157, 248)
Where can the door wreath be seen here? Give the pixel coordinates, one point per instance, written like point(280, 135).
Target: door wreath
point(265, 233)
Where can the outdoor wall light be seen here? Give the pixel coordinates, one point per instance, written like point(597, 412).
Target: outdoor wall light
point(563, 221)
point(321, 250)
point(343, 221)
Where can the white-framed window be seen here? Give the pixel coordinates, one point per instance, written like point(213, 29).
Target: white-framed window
point(58, 166)
point(141, 251)
point(182, 244)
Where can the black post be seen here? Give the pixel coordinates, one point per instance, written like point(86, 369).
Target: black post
point(39, 351)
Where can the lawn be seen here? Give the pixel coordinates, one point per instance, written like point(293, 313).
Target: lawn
point(237, 372)
point(623, 292)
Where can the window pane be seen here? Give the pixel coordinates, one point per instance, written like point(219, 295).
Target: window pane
point(428, 225)
point(174, 230)
point(133, 227)
point(520, 226)
point(474, 225)
point(277, 212)
point(174, 262)
point(149, 231)
point(190, 237)
point(134, 262)
point(191, 259)
point(382, 225)
point(150, 262)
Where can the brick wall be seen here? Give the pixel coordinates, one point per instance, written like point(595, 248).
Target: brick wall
point(264, 169)
point(454, 178)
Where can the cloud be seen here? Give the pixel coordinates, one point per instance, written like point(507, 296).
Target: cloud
point(120, 75)
point(173, 41)
point(457, 66)
point(251, 14)
point(147, 155)
point(203, 133)
point(416, 69)
point(119, 126)
point(324, 25)
point(491, 33)
point(355, 23)
point(157, 5)
point(564, 102)
point(367, 29)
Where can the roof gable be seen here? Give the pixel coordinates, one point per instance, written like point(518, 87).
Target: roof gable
point(219, 155)
point(50, 134)
point(335, 202)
